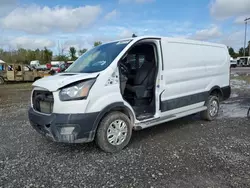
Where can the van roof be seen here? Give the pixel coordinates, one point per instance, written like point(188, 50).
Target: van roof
point(172, 39)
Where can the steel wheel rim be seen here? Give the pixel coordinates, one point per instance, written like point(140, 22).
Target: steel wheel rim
point(117, 132)
point(214, 107)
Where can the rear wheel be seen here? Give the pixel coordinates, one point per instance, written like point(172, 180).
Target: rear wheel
point(114, 132)
point(213, 107)
point(1, 80)
point(248, 113)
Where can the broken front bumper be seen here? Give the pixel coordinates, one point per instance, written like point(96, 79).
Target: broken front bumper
point(67, 128)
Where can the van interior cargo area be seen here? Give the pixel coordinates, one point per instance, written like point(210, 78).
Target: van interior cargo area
point(138, 77)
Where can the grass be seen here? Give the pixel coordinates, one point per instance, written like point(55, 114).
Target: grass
point(18, 86)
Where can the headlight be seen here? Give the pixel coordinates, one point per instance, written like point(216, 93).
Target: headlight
point(76, 92)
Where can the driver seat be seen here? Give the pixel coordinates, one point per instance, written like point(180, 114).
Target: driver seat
point(143, 83)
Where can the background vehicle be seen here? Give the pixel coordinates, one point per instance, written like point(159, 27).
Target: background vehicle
point(42, 68)
point(2, 72)
point(35, 63)
point(243, 61)
point(233, 63)
point(130, 84)
point(20, 72)
point(68, 63)
point(58, 66)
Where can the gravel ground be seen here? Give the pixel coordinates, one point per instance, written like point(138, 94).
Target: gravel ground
point(185, 153)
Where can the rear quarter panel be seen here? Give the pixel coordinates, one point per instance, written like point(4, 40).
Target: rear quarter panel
point(193, 67)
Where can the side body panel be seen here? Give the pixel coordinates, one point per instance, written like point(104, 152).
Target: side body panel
point(10, 73)
point(18, 72)
point(28, 74)
point(191, 69)
point(3, 71)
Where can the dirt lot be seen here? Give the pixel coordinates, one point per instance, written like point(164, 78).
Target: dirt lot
point(184, 153)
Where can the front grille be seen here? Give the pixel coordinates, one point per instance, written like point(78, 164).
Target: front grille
point(43, 101)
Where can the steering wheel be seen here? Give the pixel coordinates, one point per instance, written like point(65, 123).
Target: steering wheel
point(124, 69)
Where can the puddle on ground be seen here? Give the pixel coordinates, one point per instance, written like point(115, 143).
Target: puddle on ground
point(239, 84)
point(233, 110)
point(234, 95)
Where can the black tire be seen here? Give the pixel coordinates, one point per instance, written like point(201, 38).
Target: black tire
point(248, 113)
point(102, 132)
point(1, 81)
point(207, 115)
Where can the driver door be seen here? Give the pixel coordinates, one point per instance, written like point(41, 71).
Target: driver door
point(10, 73)
point(18, 73)
point(28, 74)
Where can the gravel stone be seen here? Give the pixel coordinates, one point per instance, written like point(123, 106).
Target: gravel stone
point(187, 152)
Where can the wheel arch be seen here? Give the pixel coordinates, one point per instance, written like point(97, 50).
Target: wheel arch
point(216, 90)
point(117, 106)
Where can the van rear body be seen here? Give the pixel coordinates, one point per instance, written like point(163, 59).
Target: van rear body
point(130, 84)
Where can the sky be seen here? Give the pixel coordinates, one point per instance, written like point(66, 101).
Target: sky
point(59, 24)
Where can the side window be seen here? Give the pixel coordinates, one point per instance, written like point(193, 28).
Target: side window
point(62, 66)
point(132, 60)
point(10, 67)
point(26, 69)
point(1, 67)
point(18, 68)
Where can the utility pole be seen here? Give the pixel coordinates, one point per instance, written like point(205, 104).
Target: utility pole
point(244, 48)
point(248, 48)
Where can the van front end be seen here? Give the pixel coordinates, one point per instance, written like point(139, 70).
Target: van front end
point(60, 115)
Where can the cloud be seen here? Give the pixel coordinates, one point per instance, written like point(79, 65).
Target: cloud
point(30, 43)
point(186, 36)
point(136, 1)
point(7, 2)
point(36, 19)
point(111, 15)
point(207, 34)
point(126, 33)
point(6, 6)
point(240, 19)
point(235, 39)
point(80, 41)
point(222, 9)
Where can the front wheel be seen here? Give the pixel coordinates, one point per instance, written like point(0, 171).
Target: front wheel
point(114, 132)
point(213, 107)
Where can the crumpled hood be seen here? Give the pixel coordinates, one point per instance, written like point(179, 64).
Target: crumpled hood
point(53, 83)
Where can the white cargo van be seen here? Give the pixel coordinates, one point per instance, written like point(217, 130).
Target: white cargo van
point(35, 63)
point(130, 84)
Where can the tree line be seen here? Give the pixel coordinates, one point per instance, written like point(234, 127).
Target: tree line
point(240, 53)
point(45, 55)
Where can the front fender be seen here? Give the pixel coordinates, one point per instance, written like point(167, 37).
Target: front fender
point(114, 106)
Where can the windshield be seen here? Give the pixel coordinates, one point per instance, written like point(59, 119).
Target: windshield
point(98, 58)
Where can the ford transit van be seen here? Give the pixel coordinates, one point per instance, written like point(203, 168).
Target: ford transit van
point(130, 84)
